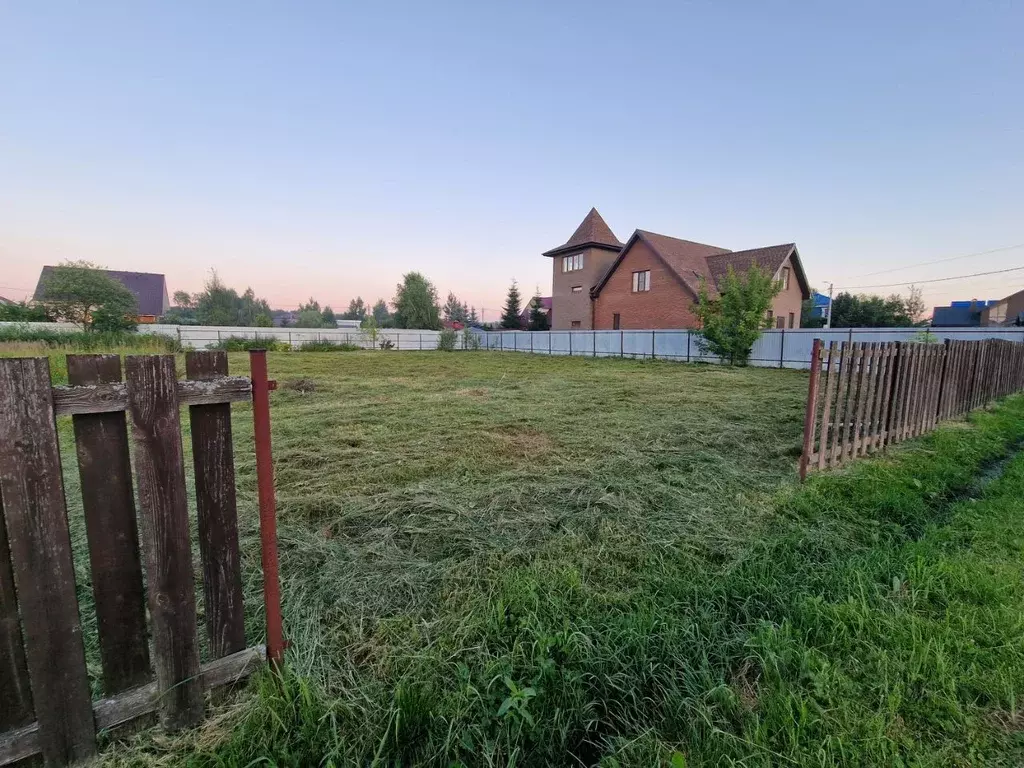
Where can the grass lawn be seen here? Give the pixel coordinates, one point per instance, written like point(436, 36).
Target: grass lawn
point(495, 559)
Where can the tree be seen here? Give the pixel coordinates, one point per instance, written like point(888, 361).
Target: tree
point(356, 310)
point(328, 319)
point(731, 323)
point(416, 304)
point(310, 315)
point(510, 315)
point(23, 312)
point(539, 320)
point(117, 315)
point(381, 315)
point(895, 311)
point(183, 300)
point(76, 290)
point(472, 318)
point(454, 310)
point(220, 305)
point(253, 311)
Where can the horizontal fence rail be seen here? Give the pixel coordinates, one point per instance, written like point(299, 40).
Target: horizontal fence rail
point(147, 623)
point(863, 396)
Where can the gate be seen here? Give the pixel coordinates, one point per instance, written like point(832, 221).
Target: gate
point(45, 701)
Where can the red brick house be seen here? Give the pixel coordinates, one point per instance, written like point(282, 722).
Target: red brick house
point(652, 280)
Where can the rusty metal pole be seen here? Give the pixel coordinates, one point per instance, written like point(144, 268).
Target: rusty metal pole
point(268, 503)
point(811, 415)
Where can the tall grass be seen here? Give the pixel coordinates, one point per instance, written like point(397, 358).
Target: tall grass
point(498, 560)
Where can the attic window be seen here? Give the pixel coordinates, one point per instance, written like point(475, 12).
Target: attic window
point(642, 281)
point(785, 279)
point(572, 263)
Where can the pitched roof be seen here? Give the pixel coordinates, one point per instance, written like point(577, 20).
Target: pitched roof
point(769, 259)
point(687, 259)
point(150, 289)
point(5, 301)
point(593, 231)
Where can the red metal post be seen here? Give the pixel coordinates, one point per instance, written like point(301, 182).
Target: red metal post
point(811, 416)
point(268, 504)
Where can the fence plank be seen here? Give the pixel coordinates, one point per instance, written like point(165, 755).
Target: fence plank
point(214, 464)
point(811, 413)
point(16, 701)
point(859, 427)
point(867, 413)
point(826, 412)
point(101, 443)
point(841, 397)
point(160, 473)
point(40, 546)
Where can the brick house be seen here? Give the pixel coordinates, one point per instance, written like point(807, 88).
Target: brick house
point(652, 280)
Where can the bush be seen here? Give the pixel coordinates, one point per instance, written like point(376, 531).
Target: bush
point(325, 345)
point(243, 344)
point(470, 340)
point(84, 341)
point(386, 343)
point(447, 340)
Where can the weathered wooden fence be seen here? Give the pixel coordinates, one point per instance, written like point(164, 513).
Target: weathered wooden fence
point(865, 396)
point(45, 701)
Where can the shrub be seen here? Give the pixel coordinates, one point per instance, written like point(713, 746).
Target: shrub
point(732, 322)
point(470, 340)
point(386, 343)
point(87, 341)
point(325, 345)
point(244, 344)
point(447, 340)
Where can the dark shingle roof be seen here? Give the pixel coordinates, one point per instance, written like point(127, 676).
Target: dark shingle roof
point(769, 259)
point(592, 231)
point(150, 289)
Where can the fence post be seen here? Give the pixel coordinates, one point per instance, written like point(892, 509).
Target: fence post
point(268, 504)
point(687, 346)
point(549, 343)
point(811, 414)
point(41, 561)
point(782, 350)
point(421, 342)
point(942, 398)
point(570, 343)
point(622, 343)
point(652, 345)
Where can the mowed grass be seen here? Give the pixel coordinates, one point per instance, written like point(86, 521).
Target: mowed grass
point(497, 559)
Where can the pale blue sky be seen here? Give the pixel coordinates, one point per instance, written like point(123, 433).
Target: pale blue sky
point(326, 148)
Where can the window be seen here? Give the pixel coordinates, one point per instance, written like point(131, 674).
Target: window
point(577, 289)
point(792, 317)
point(575, 323)
point(572, 263)
point(615, 322)
point(642, 281)
point(780, 322)
point(770, 316)
point(785, 280)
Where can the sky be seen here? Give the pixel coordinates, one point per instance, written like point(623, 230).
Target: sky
point(325, 148)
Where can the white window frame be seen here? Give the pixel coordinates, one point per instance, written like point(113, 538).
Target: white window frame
point(577, 289)
point(785, 278)
point(641, 281)
point(572, 263)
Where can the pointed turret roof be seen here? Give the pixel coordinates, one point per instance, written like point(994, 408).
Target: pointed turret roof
point(593, 232)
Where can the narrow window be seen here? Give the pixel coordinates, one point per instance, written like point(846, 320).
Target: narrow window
point(785, 278)
point(577, 289)
point(572, 263)
point(792, 317)
point(575, 323)
point(770, 316)
point(615, 322)
point(780, 322)
point(642, 281)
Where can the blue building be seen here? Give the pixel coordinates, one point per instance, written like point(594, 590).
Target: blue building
point(960, 314)
point(820, 305)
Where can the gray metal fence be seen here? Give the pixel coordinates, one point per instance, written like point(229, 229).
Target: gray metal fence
point(778, 348)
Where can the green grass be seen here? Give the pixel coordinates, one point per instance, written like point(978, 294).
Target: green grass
point(497, 559)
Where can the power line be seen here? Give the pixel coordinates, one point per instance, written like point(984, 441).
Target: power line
point(940, 261)
point(936, 280)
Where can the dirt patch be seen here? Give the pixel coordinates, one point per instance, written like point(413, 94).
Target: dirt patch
point(478, 393)
point(305, 386)
point(515, 441)
point(744, 684)
point(1008, 722)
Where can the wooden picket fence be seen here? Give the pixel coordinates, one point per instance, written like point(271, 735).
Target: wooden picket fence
point(864, 396)
point(46, 706)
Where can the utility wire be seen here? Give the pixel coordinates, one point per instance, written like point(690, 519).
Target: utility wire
point(940, 261)
point(936, 280)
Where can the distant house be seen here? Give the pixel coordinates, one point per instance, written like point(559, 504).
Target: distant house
point(148, 288)
point(652, 280)
point(960, 314)
point(820, 307)
point(545, 307)
point(1008, 311)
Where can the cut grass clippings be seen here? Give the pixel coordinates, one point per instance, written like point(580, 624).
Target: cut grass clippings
point(505, 560)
